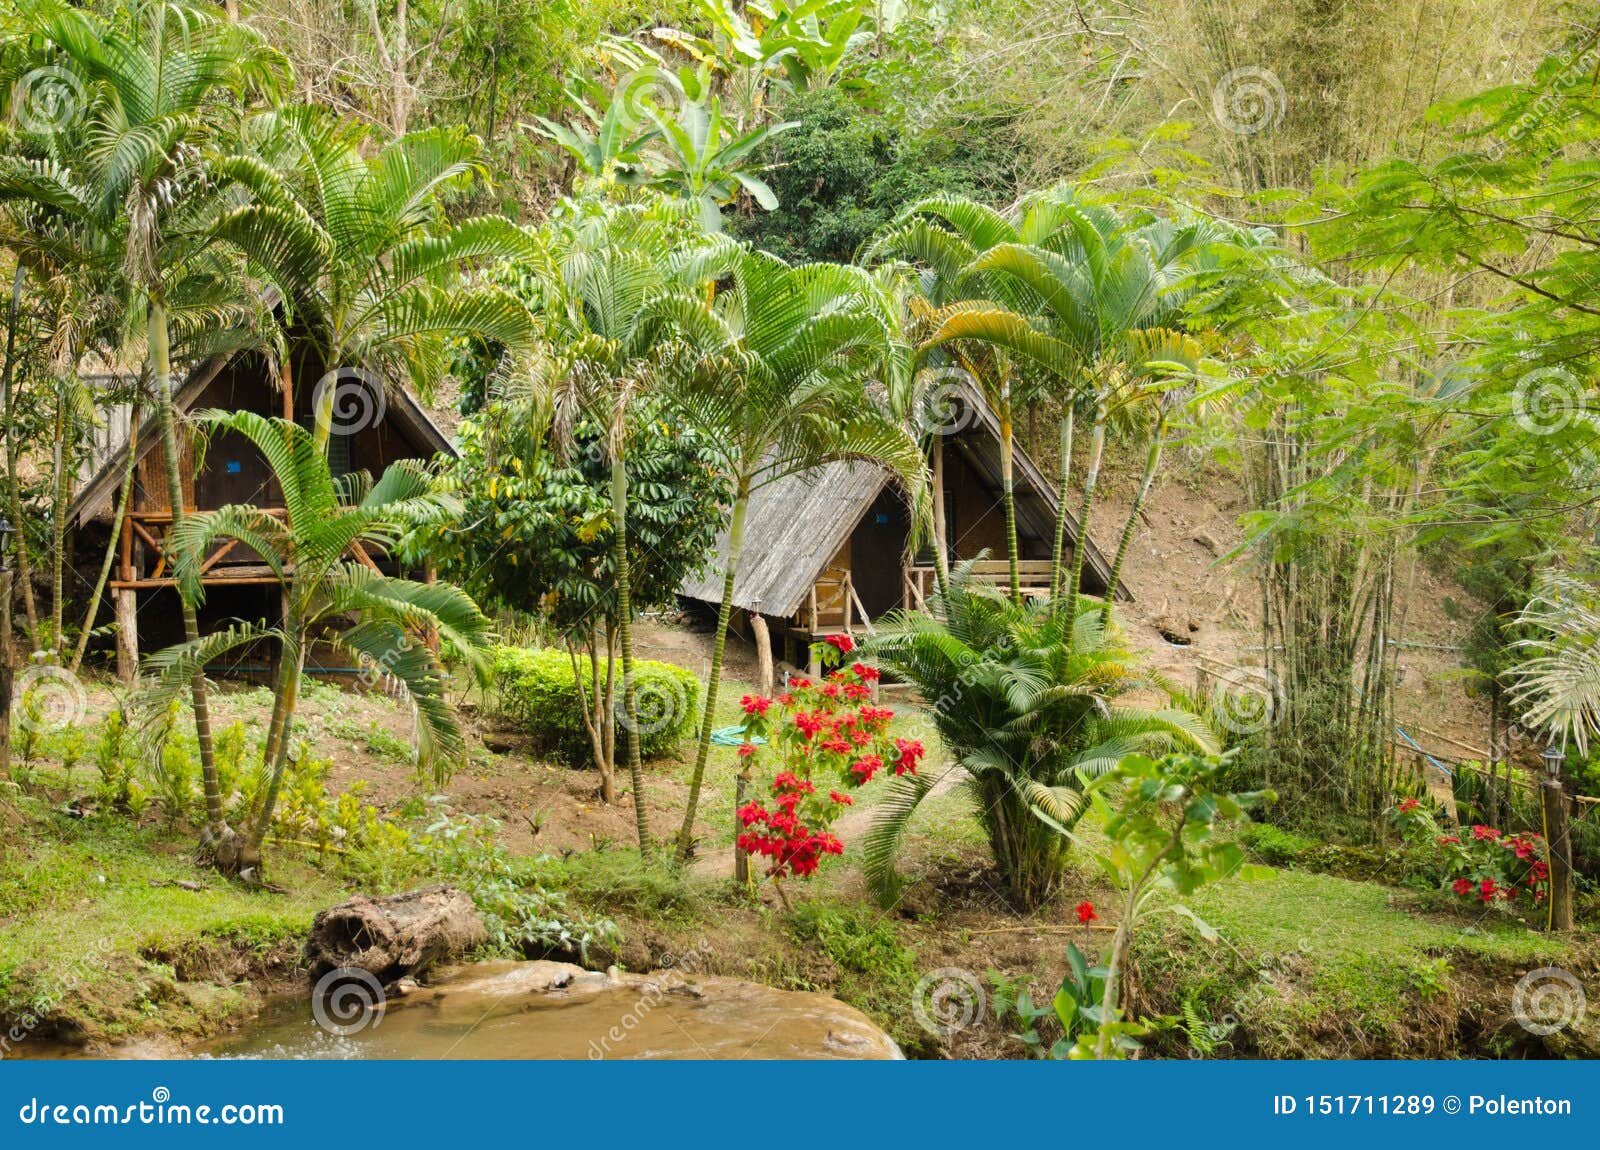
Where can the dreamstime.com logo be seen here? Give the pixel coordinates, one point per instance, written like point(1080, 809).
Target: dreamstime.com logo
point(159, 1110)
point(1548, 400)
point(46, 100)
point(660, 702)
point(47, 699)
point(1548, 1000)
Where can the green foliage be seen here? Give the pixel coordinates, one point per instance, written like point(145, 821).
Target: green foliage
point(1076, 1010)
point(1275, 846)
point(535, 689)
point(1031, 711)
point(846, 171)
point(543, 539)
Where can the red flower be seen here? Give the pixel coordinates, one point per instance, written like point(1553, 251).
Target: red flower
point(1408, 805)
point(855, 692)
point(809, 724)
point(1086, 912)
point(843, 643)
point(910, 754)
point(837, 745)
point(1485, 834)
point(1488, 889)
point(786, 699)
point(746, 750)
point(865, 767)
point(752, 813)
point(1448, 839)
point(1462, 886)
point(755, 704)
point(831, 691)
point(1539, 870)
point(865, 673)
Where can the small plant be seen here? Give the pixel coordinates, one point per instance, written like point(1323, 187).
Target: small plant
point(1162, 826)
point(112, 760)
point(818, 731)
point(1077, 1009)
point(69, 750)
point(1430, 979)
point(1479, 865)
point(173, 770)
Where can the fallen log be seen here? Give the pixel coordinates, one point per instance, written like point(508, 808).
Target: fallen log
point(396, 935)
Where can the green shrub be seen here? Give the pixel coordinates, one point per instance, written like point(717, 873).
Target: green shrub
point(535, 688)
point(1274, 845)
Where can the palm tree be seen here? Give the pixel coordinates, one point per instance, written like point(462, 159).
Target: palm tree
point(159, 93)
point(603, 269)
point(1557, 683)
point(1072, 304)
point(1026, 702)
point(325, 519)
point(358, 247)
point(772, 375)
point(941, 237)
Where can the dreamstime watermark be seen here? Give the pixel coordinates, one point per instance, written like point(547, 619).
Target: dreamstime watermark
point(353, 397)
point(158, 1110)
point(348, 1000)
point(947, 401)
point(948, 1000)
point(1249, 100)
point(47, 698)
point(1248, 702)
point(1548, 400)
point(1548, 1000)
point(40, 1009)
point(46, 100)
point(671, 977)
point(647, 92)
point(660, 702)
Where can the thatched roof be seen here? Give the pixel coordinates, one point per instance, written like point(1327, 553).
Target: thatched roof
point(102, 473)
point(795, 525)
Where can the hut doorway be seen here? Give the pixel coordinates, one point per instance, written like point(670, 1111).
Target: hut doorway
point(877, 551)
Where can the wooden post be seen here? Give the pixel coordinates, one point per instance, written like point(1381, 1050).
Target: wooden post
point(127, 608)
point(764, 670)
point(1554, 798)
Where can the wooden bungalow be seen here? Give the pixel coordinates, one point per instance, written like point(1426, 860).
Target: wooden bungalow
point(228, 471)
point(827, 551)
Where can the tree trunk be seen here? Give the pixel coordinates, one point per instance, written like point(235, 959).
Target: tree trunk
point(1057, 554)
point(1152, 460)
point(124, 498)
point(1007, 451)
point(719, 645)
point(286, 697)
point(630, 688)
point(127, 606)
point(13, 487)
point(217, 840)
point(396, 935)
point(58, 522)
point(5, 669)
point(941, 530)
point(1091, 479)
point(1559, 842)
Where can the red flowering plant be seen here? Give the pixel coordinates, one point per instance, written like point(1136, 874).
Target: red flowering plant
point(824, 740)
point(1480, 865)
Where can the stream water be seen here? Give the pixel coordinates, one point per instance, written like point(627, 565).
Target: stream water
point(550, 1010)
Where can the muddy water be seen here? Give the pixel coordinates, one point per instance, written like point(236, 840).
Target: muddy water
point(553, 1010)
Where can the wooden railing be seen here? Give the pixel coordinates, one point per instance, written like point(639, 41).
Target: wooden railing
point(143, 561)
point(922, 582)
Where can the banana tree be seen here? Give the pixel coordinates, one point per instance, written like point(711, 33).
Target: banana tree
point(772, 375)
point(383, 622)
point(703, 158)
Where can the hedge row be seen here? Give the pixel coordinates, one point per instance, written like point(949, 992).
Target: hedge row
point(534, 688)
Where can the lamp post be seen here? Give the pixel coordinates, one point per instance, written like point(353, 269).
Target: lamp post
point(1559, 846)
point(6, 531)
